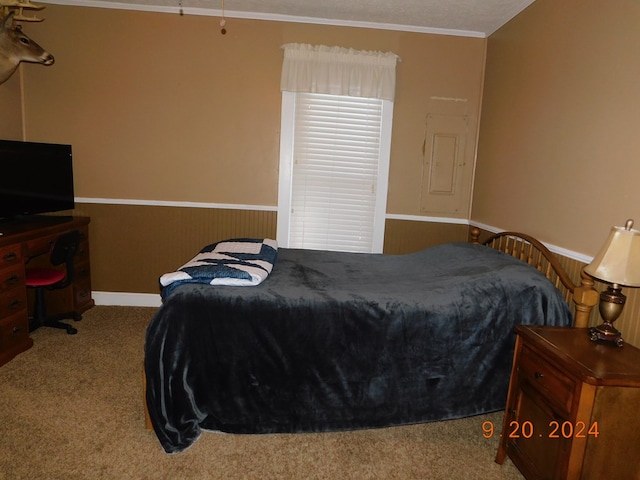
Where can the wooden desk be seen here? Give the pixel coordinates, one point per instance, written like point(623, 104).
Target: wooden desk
point(20, 242)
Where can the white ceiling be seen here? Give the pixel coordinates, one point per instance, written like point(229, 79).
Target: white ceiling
point(457, 17)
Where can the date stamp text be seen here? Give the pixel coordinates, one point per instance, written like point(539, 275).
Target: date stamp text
point(554, 429)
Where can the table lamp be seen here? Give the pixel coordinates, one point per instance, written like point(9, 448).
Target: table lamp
point(618, 264)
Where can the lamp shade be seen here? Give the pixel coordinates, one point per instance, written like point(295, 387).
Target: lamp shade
point(619, 259)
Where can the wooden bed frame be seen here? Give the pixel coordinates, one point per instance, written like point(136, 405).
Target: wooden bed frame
point(534, 253)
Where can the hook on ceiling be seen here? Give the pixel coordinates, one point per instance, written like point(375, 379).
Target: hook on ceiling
point(223, 22)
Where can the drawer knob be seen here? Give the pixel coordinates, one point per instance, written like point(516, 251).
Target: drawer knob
point(16, 330)
point(538, 375)
point(10, 257)
point(15, 305)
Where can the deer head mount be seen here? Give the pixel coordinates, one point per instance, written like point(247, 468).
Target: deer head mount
point(15, 46)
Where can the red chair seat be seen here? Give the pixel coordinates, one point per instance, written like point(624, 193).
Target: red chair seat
point(63, 251)
point(42, 277)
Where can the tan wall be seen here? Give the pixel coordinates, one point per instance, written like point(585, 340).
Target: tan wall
point(163, 107)
point(11, 108)
point(559, 150)
point(129, 251)
point(402, 236)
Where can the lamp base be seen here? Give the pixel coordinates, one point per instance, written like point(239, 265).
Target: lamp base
point(607, 333)
point(612, 302)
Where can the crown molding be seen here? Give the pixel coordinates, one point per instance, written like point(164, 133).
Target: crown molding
point(265, 16)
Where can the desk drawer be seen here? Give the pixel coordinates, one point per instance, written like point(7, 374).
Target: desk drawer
point(14, 331)
point(12, 277)
point(43, 245)
point(83, 271)
point(82, 294)
point(13, 301)
point(11, 255)
point(82, 255)
point(40, 246)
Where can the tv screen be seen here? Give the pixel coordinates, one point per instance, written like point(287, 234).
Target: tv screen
point(35, 178)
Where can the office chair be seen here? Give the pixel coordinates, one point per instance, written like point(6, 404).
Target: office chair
point(41, 279)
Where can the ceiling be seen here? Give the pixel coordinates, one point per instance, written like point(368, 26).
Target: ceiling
point(478, 18)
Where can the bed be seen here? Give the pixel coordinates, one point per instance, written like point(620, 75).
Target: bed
point(331, 341)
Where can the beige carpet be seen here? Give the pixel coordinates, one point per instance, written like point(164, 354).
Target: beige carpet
point(71, 408)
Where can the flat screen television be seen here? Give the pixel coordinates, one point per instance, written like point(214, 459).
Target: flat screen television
point(35, 178)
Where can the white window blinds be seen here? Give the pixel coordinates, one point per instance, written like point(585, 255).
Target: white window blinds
point(335, 172)
point(337, 111)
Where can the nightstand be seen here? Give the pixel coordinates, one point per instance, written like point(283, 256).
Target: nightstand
point(573, 408)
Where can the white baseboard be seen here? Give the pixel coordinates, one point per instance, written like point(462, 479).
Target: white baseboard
point(127, 299)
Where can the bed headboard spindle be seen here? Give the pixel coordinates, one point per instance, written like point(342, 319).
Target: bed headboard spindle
point(536, 254)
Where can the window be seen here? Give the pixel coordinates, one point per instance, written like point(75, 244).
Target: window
point(337, 169)
point(334, 164)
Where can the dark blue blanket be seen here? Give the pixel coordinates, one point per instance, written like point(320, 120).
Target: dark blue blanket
point(334, 341)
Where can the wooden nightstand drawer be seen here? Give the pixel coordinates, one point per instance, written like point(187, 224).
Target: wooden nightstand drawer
point(554, 385)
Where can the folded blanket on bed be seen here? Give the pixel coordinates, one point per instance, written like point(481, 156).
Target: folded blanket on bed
point(238, 262)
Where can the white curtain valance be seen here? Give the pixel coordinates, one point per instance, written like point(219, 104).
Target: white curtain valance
point(338, 71)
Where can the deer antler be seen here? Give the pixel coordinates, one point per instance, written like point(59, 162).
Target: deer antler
point(19, 6)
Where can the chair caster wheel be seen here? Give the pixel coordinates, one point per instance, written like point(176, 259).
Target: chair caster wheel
point(71, 331)
point(77, 317)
